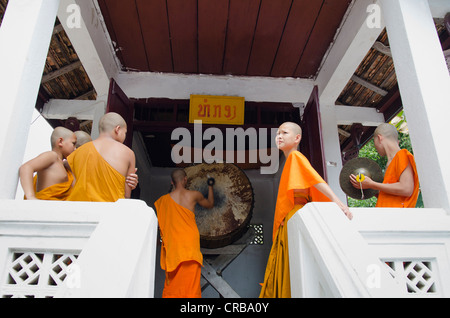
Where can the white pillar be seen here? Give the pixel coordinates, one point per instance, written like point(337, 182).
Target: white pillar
point(85, 29)
point(25, 36)
point(354, 40)
point(332, 149)
point(424, 84)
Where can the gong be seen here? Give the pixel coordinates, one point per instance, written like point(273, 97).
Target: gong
point(363, 166)
point(228, 220)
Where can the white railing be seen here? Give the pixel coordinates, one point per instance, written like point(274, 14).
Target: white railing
point(380, 253)
point(77, 249)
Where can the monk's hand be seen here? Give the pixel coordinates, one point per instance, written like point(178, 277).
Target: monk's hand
point(346, 210)
point(132, 180)
point(211, 181)
point(361, 183)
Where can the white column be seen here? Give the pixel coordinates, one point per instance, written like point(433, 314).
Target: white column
point(424, 84)
point(355, 38)
point(359, 32)
point(25, 36)
point(99, 111)
point(85, 28)
point(332, 148)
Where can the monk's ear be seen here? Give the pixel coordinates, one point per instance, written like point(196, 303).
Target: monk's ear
point(380, 138)
point(117, 129)
point(298, 138)
point(60, 141)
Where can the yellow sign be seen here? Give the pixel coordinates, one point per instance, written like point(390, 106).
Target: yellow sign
point(225, 110)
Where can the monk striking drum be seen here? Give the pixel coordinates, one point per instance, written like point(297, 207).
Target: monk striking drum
point(228, 220)
point(181, 258)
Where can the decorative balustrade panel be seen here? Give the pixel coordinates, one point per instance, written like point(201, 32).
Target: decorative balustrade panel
point(380, 253)
point(417, 277)
point(35, 274)
point(58, 249)
point(414, 244)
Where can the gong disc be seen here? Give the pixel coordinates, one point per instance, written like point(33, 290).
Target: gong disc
point(233, 203)
point(365, 166)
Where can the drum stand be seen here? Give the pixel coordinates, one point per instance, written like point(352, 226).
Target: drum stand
point(216, 260)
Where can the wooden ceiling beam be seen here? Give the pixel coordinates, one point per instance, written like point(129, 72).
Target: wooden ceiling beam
point(63, 70)
point(369, 85)
point(380, 47)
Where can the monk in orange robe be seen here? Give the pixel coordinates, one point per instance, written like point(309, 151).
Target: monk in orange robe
point(299, 184)
point(101, 166)
point(400, 187)
point(181, 257)
point(56, 192)
point(53, 179)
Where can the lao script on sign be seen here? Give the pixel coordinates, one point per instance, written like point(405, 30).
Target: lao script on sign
point(226, 110)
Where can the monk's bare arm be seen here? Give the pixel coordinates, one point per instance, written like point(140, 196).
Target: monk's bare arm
point(131, 170)
point(326, 190)
point(207, 203)
point(132, 180)
point(28, 169)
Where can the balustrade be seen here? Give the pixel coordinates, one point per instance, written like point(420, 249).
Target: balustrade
point(77, 249)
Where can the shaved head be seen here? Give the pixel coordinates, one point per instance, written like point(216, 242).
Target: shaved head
point(387, 130)
point(178, 175)
point(110, 121)
point(82, 138)
point(60, 132)
point(295, 128)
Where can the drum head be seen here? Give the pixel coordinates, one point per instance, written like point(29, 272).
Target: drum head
point(228, 220)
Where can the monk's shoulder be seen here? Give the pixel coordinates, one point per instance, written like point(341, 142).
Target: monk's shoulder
point(48, 158)
point(194, 194)
point(124, 149)
point(403, 157)
point(52, 155)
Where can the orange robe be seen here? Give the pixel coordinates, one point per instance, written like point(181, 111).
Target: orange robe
point(392, 175)
point(181, 258)
point(55, 192)
point(96, 180)
point(297, 174)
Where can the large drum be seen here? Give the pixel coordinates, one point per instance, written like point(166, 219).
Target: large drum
point(228, 220)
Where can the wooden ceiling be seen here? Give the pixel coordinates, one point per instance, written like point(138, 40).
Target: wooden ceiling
point(253, 42)
point(278, 38)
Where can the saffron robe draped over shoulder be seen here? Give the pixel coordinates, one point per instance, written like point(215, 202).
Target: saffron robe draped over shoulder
point(179, 234)
point(56, 192)
point(297, 174)
point(392, 175)
point(181, 257)
point(96, 179)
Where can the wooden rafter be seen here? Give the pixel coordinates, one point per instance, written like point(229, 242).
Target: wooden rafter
point(63, 70)
point(369, 85)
